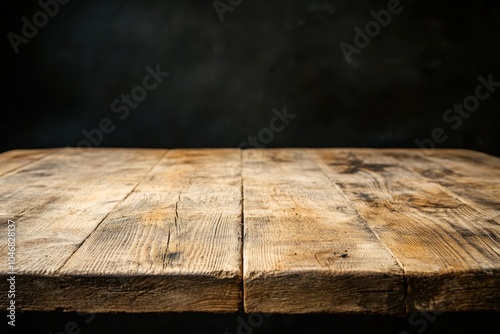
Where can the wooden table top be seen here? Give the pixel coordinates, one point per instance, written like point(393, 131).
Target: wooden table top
point(261, 230)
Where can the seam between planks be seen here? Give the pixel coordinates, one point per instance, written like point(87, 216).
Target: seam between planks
point(241, 303)
point(15, 169)
point(321, 164)
point(106, 216)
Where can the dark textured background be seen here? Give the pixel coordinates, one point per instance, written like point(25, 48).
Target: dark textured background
point(226, 77)
point(204, 323)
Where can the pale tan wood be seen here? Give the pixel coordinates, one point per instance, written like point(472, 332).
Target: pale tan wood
point(472, 176)
point(11, 160)
point(175, 241)
point(448, 249)
point(57, 202)
point(305, 247)
point(337, 230)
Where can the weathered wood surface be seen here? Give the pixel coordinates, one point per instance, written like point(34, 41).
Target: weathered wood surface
point(306, 249)
point(16, 159)
point(447, 247)
point(127, 230)
point(265, 230)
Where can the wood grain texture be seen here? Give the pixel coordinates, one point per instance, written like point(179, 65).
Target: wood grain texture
point(282, 230)
point(11, 160)
point(57, 204)
point(163, 230)
point(305, 247)
point(472, 176)
point(448, 249)
point(180, 229)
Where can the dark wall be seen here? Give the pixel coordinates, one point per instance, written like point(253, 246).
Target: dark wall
point(226, 77)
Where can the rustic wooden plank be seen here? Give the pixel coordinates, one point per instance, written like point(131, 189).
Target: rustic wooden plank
point(11, 160)
point(56, 204)
point(471, 176)
point(174, 243)
point(305, 247)
point(448, 249)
